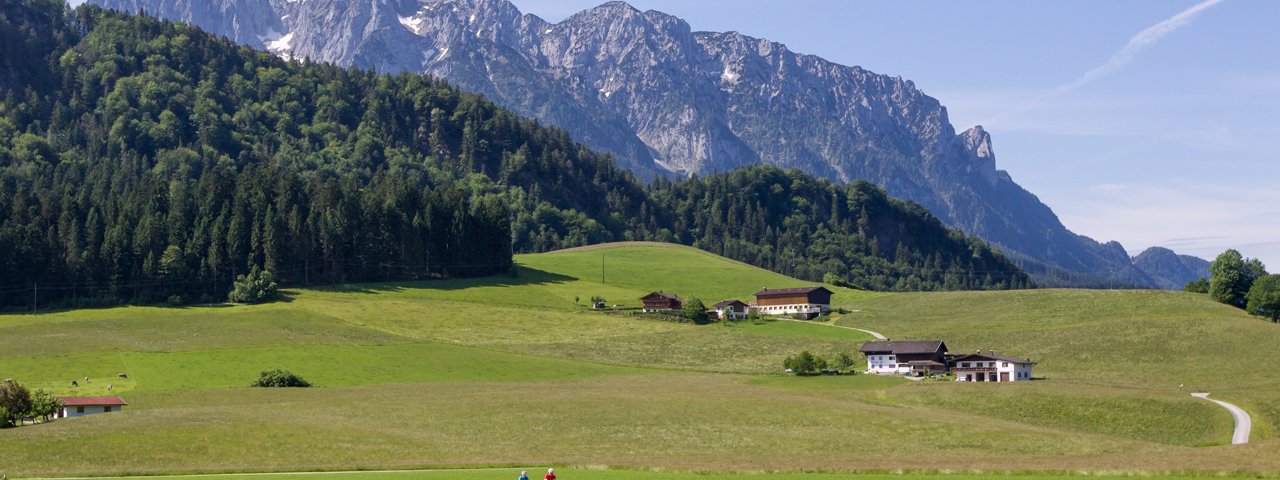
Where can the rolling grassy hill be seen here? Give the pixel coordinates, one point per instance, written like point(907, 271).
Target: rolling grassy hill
point(512, 370)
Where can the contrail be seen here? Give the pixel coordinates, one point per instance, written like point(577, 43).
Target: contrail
point(1143, 40)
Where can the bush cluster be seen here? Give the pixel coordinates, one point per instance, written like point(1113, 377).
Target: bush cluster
point(806, 363)
point(279, 379)
point(17, 403)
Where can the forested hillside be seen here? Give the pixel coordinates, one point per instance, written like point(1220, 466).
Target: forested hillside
point(144, 161)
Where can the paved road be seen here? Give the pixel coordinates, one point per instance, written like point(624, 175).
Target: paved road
point(1243, 423)
point(874, 334)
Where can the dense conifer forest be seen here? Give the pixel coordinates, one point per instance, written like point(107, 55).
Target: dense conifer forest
point(145, 161)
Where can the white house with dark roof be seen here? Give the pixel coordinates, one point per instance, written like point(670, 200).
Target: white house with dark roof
point(730, 309)
point(898, 357)
point(991, 367)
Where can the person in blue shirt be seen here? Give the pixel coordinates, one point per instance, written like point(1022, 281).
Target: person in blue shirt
point(524, 475)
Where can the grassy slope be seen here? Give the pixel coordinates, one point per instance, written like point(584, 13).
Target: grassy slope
point(511, 371)
point(1146, 343)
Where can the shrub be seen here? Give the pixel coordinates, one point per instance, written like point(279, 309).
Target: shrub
point(279, 379)
point(833, 279)
point(256, 287)
point(4, 418)
point(844, 362)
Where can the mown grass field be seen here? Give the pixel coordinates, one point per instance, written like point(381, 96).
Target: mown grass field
point(509, 371)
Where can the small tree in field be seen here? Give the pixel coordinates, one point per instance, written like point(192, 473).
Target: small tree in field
point(805, 364)
point(695, 311)
point(15, 400)
point(44, 406)
point(256, 287)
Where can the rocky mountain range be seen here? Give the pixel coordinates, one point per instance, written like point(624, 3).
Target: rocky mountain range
point(666, 100)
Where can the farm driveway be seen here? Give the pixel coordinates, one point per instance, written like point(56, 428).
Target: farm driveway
point(874, 334)
point(1243, 422)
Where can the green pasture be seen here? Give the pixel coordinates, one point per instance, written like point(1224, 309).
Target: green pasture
point(511, 370)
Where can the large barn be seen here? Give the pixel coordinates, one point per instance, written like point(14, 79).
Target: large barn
point(807, 302)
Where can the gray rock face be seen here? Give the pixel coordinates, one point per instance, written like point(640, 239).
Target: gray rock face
point(666, 100)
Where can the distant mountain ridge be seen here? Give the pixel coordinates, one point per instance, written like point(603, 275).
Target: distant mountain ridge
point(662, 98)
point(1168, 270)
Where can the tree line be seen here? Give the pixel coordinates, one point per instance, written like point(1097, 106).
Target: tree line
point(146, 161)
point(1242, 283)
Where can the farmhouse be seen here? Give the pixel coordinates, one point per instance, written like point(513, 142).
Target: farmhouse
point(660, 302)
point(730, 309)
point(80, 406)
point(807, 302)
point(906, 356)
point(991, 367)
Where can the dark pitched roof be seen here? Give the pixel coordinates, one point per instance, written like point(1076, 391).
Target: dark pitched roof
point(789, 291)
point(993, 356)
point(928, 363)
point(92, 401)
point(725, 303)
point(907, 347)
point(660, 295)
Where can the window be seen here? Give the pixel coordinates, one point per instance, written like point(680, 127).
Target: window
point(964, 365)
point(106, 409)
point(1004, 364)
point(79, 409)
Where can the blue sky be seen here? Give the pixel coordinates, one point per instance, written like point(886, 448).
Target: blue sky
point(1172, 141)
point(1175, 143)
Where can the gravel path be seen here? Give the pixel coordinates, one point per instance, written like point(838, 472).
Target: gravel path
point(874, 334)
point(1243, 423)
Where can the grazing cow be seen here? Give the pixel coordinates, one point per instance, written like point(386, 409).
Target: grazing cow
point(74, 384)
point(108, 388)
point(86, 379)
point(121, 375)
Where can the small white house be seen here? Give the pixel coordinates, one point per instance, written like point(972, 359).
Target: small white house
point(80, 406)
point(991, 367)
point(730, 309)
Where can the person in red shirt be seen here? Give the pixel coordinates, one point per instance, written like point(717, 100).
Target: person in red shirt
point(551, 474)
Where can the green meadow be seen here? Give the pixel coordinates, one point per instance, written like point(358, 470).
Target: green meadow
point(518, 370)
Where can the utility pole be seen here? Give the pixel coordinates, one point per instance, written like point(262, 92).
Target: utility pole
point(602, 265)
point(35, 297)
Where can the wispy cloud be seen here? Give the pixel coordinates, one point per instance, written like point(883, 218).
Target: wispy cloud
point(1142, 41)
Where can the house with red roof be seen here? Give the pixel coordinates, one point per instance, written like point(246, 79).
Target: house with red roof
point(80, 406)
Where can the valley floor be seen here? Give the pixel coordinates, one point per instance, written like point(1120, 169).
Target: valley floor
point(511, 371)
